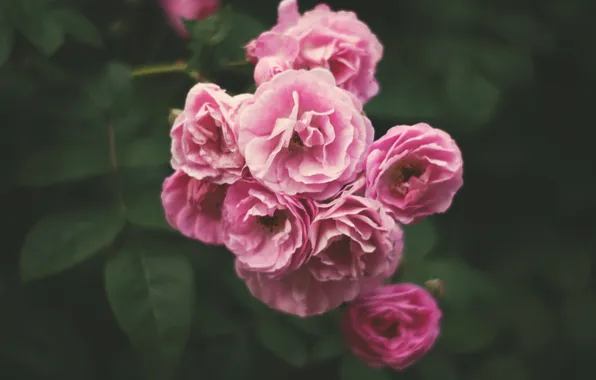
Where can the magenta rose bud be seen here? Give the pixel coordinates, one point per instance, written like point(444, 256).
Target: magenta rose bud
point(176, 10)
point(392, 326)
point(414, 171)
point(193, 207)
point(337, 41)
point(302, 135)
point(203, 139)
point(267, 231)
point(353, 237)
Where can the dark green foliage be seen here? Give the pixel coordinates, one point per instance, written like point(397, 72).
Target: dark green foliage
point(94, 283)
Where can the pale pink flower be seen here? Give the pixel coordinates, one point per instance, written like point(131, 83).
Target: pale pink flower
point(268, 67)
point(354, 237)
point(302, 135)
point(414, 171)
point(176, 10)
point(203, 140)
point(267, 231)
point(337, 41)
point(393, 325)
point(193, 207)
point(300, 293)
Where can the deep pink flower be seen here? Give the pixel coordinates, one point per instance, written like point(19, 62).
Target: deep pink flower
point(267, 231)
point(393, 325)
point(194, 207)
point(302, 135)
point(337, 41)
point(414, 171)
point(203, 140)
point(175, 10)
point(353, 237)
point(300, 293)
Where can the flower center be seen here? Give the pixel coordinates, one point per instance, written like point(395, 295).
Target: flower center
point(386, 328)
point(401, 173)
point(295, 143)
point(271, 223)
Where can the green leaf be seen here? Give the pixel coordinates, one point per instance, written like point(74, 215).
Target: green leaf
point(505, 66)
point(534, 322)
point(44, 32)
point(405, 94)
point(502, 367)
point(471, 98)
point(111, 86)
point(61, 163)
point(464, 332)
point(146, 151)
point(211, 320)
point(42, 341)
point(420, 239)
point(77, 26)
point(229, 357)
point(243, 29)
point(282, 341)
point(316, 325)
point(328, 347)
point(351, 368)
point(63, 239)
point(145, 210)
point(150, 287)
point(437, 366)
point(578, 316)
point(523, 31)
point(6, 40)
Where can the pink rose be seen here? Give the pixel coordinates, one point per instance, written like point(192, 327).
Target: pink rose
point(203, 140)
point(414, 171)
point(354, 237)
point(194, 207)
point(337, 41)
point(267, 231)
point(302, 135)
point(175, 10)
point(300, 293)
point(393, 325)
point(269, 67)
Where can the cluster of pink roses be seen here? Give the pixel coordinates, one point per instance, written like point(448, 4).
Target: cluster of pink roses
point(291, 181)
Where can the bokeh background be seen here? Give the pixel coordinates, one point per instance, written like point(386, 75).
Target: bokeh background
point(94, 284)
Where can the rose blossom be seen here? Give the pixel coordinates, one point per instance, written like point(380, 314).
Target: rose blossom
point(194, 207)
point(393, 325)
point(203, 140)
point(355, 246)
point(188, 9)
point(414, 171)
point(302, 135)
point(267, 231)
point(268, 67)
point(353, 237)
point(300, 293)
point(337, 41)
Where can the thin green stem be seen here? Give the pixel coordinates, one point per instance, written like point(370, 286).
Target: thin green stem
point(160, 69)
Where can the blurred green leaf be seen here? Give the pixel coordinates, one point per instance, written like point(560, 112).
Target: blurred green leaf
point(437, 366)
point(40, 28)
point(316, 325)
point(6, 39)
point(282, 341)
point(243, 29)
point(111, 86)
point(328, 347)
point(211, 320)
point(578, 316)
point(505, 66)
point(522, 30)
point(471, 98)
point(465, 332)
point(146, 151)
point(53, 164)
point(501, 367)
point(77, 26)
point(351, 368)
point(150, 287)
point(65, 238)
point(43, 341)
point(145, 210)
point(420, 239)
point(230, 357)
point(405, 94)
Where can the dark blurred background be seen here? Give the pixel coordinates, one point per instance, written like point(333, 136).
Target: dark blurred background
point(512, 81)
